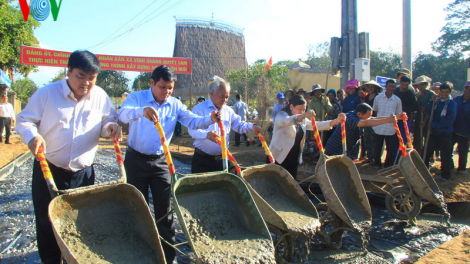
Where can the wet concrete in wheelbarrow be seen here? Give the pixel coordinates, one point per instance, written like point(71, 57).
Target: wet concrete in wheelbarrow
point(391, 240)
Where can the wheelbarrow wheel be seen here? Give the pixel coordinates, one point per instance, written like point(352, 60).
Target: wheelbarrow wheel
point(330, 222)
point(400, 206)
point(284, 244)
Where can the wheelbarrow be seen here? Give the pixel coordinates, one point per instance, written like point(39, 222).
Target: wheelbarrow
point(218, 216)
point(106, 223)
point(404, 202)
point(347, 206)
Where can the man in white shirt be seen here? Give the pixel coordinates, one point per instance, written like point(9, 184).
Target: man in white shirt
point(241, 109)
point(69, 116)
point(386, 104)
point(207, 153)
point(7, 116)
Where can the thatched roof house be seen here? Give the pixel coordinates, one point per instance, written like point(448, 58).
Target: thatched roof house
point(214, 47)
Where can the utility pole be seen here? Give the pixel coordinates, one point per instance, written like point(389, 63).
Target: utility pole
point(344, 44)
point(353, 36)
point(406, 54)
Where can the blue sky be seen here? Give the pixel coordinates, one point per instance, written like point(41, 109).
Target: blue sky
point(278, 28)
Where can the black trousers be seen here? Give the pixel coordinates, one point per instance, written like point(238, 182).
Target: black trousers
point(144, 171)
point(203, 162)
point(47, 246)
point(389, 144)
point(237, 138)
point(463, 150)
point(444, 143)
point(5, 122)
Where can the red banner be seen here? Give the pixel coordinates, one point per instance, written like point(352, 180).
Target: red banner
point(54, 58)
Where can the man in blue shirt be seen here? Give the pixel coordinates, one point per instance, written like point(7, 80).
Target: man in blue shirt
point(278, 106)
point(145, 161)
point(207, 153)
point(241, 109)
point(441, 126)
point(462, 127)
point(355, 120)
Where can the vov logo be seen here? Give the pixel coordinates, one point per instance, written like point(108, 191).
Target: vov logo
point(40, 9)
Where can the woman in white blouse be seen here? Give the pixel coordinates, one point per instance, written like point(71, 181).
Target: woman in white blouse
point(289, 133)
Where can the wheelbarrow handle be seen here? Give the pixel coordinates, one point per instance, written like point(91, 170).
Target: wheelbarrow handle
point(230, 156)
point(266, 148)
point(120, 160)
point(343, 135)
point(46, 171)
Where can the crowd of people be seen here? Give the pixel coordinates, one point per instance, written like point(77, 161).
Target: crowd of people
point(69, 116)
point(436, 121)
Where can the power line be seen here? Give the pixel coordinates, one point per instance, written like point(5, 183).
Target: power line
point(128, 22)
point(107, 42)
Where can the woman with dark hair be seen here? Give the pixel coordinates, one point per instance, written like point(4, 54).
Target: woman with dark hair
point(289, 130)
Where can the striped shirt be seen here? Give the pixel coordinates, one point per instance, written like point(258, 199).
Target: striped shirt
point(385, 106)
point(334, 145)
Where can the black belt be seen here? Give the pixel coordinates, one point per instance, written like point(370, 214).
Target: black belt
point(202, 153)
point(143, 156)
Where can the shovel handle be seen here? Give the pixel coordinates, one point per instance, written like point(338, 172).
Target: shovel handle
point(230, 156)
point(46, 171)
point(407, 131)
point(120, 160)
point(317, 135)
point(166, 151)
point(400, 140)
point(343, 135)
point(224, 145)
point(266, 148)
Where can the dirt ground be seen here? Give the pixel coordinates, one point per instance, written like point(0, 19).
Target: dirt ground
point(458, 189)
point(456, 250)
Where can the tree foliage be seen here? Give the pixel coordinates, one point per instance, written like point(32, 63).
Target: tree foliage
point(441, 69)
point(384, 64)
point(59, 76)
point(318, 56)
point(142, 81)
point(14, 31)
point(456, 33)
point(114, 83)
point(24, 89)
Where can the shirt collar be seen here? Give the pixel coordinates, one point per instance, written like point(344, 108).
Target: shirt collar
point(66, 90)
point(210, 104)
point(149, 97)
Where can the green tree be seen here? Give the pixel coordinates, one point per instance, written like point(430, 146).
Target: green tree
point(450, 68)
point(24, 89)
point(114, 83)
point(142, 81)
point(14, 31)
point(456, 33)
point(318, 56)
point(383, 63)
point(262, 85)
point(59, 76)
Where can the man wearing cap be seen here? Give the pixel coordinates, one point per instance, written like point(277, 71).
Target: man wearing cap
point(373, 89)
point(402, 72)
point(201, 99)
point(207, 153)
point(302, 92)
point(409, 104)
point(241, 109)
point(423, 97)
point(278, 106)
point(288, 95)
point(441, 124)
point(386, 104)
point(7, 115)
point(145, 161)
point(462, 127)
point(319, 103)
